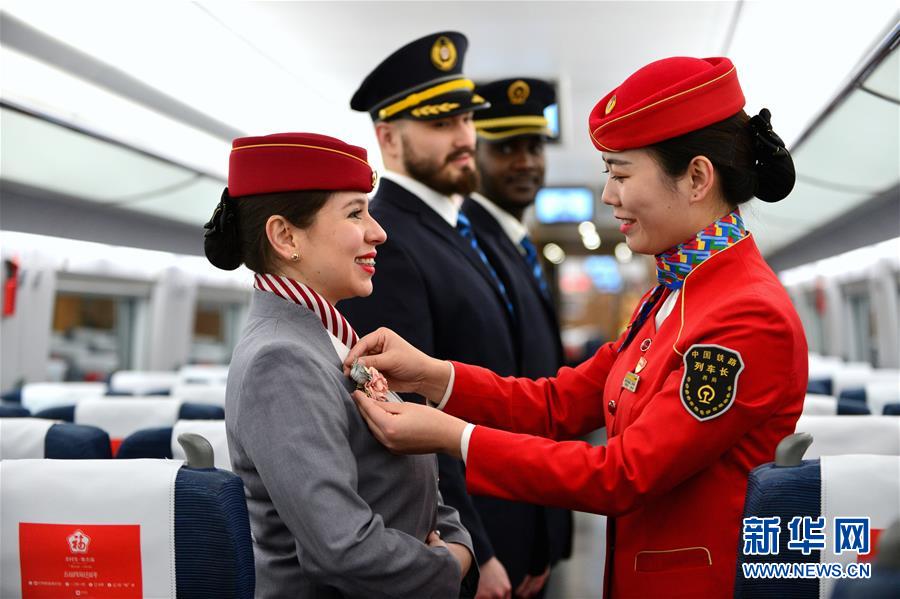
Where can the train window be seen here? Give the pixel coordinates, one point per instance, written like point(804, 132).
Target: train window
point(92, 334)
point(216, 327)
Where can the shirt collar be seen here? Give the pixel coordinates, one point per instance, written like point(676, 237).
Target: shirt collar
point(447, 207)
point(296, 292)
point(513, 228)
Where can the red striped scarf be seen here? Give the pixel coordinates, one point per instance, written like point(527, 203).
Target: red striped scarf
point(294, 291)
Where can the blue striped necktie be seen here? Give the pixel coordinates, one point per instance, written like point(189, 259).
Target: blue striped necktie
point(464, 226)
point(534, 264)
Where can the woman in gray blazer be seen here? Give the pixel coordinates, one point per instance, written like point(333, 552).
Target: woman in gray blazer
point(333, 513)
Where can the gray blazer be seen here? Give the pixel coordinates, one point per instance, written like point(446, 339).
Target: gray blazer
point(333, 513)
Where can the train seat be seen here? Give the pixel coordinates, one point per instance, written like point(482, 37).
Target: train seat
point(162, 442)
point(856, 375)
point(825, 487)
point(852, 407)
point(137, 382)
point(146, 528)
point(879, 394)
point(207, 393)
point(834, 435)
point(883, 389)
point(121, 417)
point(37, 438)
point(822, 405)
point(41, 396)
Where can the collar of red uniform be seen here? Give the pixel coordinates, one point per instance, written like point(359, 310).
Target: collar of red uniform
point(702, 281)
point(296, 292)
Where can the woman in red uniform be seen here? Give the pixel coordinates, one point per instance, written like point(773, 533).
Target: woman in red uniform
point(701, 387)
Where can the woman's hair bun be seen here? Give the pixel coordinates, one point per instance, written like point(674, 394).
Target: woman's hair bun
point(774, 165)
point(220, 241)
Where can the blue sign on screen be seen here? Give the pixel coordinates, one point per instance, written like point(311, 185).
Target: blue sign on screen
point(564, 204)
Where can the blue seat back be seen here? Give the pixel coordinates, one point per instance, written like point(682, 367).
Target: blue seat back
point(213, 547)
point(13, 411)
point(785, 492)
point(147, 443)
point(199, 411)
point(819, 386)
point(854, 393)
point(852, 407)
point(66, 441)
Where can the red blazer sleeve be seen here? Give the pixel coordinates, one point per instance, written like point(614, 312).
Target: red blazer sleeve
point(566, 406)
point(664, 446)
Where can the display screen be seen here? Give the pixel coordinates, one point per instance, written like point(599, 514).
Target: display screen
point(551, 113)
point(564, 205)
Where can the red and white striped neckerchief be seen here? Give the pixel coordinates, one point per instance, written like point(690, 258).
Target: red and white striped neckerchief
point(294, 291)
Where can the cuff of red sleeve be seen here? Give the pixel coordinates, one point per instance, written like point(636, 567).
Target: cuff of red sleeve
point(464, 441)
point(449, 390)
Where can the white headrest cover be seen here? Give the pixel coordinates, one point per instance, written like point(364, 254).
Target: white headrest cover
point(124, 510)
point(840, 435)
point(121, 418)
point(23, 438)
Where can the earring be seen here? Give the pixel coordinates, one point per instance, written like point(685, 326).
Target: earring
point(295, 256)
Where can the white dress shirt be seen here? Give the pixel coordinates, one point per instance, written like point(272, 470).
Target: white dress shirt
point(513, 228)
point(447, 207)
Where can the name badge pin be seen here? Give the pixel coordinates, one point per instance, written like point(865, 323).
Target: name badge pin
point(631, 381)
point(640, 365)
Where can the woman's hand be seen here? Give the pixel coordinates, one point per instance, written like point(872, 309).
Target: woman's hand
point(410, 427)
point(405, 367)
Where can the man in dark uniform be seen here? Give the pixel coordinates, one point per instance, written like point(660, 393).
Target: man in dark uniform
point(510, 159)
point(434, 285)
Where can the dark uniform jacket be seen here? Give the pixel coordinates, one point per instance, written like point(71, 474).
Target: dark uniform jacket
point(432, 288)
point(539, 353)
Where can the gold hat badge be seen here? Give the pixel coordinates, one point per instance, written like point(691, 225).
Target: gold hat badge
point(610, 105)
point(443, 53)
point(518, 92)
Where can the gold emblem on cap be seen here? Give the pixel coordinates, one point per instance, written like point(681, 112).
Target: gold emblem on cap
point(443, 53)
point(610, 105)
point(518, 92)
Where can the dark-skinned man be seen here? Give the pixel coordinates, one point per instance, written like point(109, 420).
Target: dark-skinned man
point(511, 163)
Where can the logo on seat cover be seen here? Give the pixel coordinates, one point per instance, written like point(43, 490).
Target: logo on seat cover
point(78, 542)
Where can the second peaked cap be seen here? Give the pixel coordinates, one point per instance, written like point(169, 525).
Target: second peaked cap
point(423, 80)
point(517, 108)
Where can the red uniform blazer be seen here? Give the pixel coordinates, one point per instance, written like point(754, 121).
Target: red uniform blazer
point(673, 475)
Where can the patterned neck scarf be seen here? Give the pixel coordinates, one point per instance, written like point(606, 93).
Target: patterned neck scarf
point(672, 266)
point(294, 291)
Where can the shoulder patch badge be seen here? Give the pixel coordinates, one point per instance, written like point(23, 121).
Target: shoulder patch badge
point(710, 380)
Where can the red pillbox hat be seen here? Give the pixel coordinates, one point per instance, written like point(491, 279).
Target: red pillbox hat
point(665, 99)
point(297, 162)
